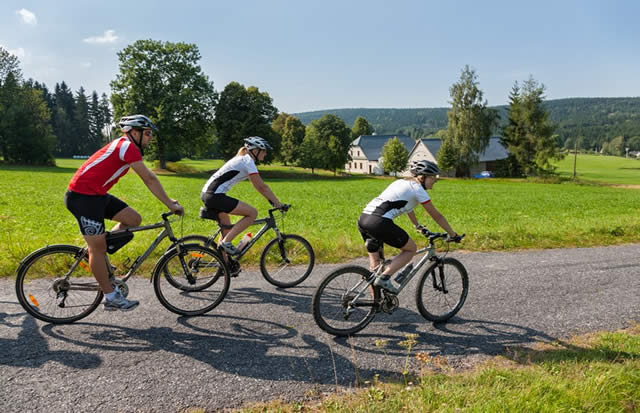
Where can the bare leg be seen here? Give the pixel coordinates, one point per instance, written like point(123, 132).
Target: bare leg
point(97, 249)
point(127, 218)
point(249, 214)
point(408, 251)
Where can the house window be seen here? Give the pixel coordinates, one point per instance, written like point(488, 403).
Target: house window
point(360, 165)
point(369, 168)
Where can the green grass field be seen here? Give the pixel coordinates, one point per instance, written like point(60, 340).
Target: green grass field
point(495, 214)
point(603, 169)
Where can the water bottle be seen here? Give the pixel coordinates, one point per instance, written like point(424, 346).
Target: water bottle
point(244, 241)
point(402, 274)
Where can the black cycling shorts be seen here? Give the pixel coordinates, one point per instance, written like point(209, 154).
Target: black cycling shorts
point(219, 202)
point(382, 229)
point(91, 210)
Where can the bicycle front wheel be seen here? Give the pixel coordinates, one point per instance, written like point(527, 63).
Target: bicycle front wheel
point(287, 262)
point(442, 290)
point(55, 284)
point(344, 303)
point(190, 280)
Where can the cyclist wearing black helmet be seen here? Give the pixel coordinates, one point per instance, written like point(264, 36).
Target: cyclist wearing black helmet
point(241, 167)
point(88, 199)
point(376, 221)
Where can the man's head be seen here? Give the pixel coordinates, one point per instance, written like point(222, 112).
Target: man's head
point(138, 127)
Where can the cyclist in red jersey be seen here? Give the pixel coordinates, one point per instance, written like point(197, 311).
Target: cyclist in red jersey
point(88, 199)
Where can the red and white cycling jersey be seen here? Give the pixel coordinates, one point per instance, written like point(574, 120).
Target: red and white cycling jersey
point(103, 169)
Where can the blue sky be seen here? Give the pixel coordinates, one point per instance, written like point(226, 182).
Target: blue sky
point(342, 54)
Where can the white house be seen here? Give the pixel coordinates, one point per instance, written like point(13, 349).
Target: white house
point(428, 148)
point(365, 153)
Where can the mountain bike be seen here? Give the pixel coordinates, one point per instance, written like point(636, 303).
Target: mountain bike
point(55, 283)
point(286, 261)
point(346, 300)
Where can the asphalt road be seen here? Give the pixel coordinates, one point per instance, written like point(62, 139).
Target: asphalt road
point(262, 343)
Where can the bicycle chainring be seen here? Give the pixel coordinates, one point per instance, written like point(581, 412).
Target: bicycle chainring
point(389, 303)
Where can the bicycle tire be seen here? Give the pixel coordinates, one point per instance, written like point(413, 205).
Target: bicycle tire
point(430, 290)
point(178, 295)
point(329, 302)
point(192, 239)
point(284, 274)
point(36, 289)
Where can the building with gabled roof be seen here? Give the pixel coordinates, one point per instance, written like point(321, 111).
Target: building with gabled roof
point(428, 148)
point(365, 153)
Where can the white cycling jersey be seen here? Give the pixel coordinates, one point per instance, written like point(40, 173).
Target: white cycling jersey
point(399, 198)
point(235, 170)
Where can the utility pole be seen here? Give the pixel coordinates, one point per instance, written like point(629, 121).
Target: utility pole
point(575, 157)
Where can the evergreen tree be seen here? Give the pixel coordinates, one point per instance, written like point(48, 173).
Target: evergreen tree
point(528, 135)
point(394, 156)
point(96, 123)
point(82, 124)
point(471, 121)
point(105, 115)
point(63, 122)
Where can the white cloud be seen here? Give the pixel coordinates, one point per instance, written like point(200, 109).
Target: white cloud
point(27, 16)
point(19, 52)
point(86, 65)
point(109, 36)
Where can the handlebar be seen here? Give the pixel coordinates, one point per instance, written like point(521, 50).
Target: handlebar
point(283, 208)
point(166, 215)
point(441, 235)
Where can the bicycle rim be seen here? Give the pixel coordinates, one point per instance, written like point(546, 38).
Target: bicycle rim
point(202, 292)
point(334, 308)
point(441, 294)
point(48, 290)
point(287, 263)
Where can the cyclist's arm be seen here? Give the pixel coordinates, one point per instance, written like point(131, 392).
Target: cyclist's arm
point(439, 218)
point(264, 189)
point(151, 181)
point(413, 219)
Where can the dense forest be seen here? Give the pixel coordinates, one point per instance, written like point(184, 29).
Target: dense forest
point(594, 121)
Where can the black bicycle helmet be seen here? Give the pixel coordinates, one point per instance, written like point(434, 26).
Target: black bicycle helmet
point(424, 167)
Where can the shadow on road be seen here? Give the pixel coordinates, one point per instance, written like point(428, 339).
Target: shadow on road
point(30, 349)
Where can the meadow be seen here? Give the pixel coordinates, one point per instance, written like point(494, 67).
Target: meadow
point(602, 169)
point(496, 214)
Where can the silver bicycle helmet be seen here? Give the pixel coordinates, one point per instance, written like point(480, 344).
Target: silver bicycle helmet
point(256, 142)
point(424, 167)
point(136, 122)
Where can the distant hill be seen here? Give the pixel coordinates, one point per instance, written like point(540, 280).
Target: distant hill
point(597, 119)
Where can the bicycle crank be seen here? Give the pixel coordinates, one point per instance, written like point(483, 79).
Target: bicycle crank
point(122, 286)
point(389, 303)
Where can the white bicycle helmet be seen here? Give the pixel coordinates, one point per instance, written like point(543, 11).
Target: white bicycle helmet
point(136, 122)
point(256, 142)
point(424, 167)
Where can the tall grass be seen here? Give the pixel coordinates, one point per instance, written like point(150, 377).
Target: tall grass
point(495, 214)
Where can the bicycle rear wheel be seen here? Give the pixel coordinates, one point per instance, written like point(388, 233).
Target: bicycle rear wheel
point(335, 306)
point(190, 280)
point(287, 262)
point(442, 290)
point(55, 284)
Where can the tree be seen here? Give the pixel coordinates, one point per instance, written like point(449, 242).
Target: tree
point(82, 124)
point(361, 126)
point(394, 156)
point(67, 144)
point(447, 155)
point(291, 131)
point(9, 63)
point(471, 121)
point(528, 135)
point(26, 133)
point(244, 112)
point(326, 144)
point(164, 82)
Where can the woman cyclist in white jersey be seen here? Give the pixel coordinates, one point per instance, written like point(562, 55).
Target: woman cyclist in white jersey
point(214, 193)
point(376, 221)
